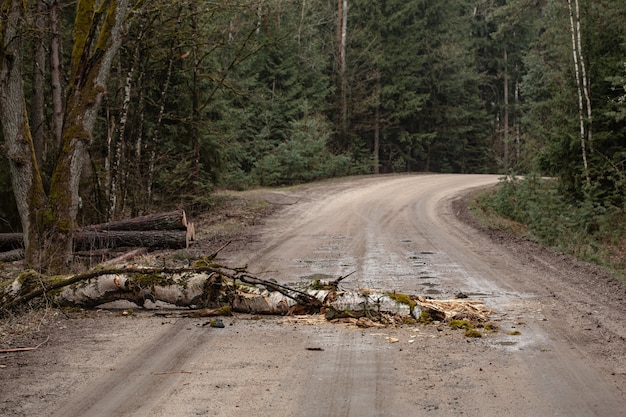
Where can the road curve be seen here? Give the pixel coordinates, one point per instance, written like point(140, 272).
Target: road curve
point(395, 233)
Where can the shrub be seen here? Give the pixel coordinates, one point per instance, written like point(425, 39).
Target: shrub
point(590, 230)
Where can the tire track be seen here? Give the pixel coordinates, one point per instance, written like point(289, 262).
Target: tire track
point(135, 385)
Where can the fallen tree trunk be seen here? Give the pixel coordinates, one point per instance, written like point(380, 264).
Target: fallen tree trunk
point(11, 241)
point(12, 255)
point(169, 230)
point(95, 239)
point(173, 220)
point(216, 287)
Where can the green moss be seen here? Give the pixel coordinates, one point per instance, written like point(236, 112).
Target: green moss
point(490, 327)
point(202, 263)
point(425, 317)
point(150, 280)
point(28, 276)
point(472, 333)
point(514, 333)
point(403, 299)
point(461, 324)
point(82, 27)
point(224, 311)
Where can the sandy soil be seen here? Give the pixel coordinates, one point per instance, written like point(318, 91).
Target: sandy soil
point(405, 233)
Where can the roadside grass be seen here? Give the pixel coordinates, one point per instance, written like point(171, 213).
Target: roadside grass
point(533, 208)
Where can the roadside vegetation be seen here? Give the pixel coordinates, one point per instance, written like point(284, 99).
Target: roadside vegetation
point(536, 208)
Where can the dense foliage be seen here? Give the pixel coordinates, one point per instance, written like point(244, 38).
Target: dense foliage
point(269, 92)
point(589, 230)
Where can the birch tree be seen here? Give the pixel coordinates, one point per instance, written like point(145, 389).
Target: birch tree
point(584, 106)
point(342, 66)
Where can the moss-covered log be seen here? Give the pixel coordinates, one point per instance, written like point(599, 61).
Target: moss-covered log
point(200, 287)
point(214, 287)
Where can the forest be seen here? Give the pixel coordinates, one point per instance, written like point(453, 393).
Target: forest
point(114, 109)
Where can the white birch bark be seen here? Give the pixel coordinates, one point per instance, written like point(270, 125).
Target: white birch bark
point(581, 110)
point(583, 71)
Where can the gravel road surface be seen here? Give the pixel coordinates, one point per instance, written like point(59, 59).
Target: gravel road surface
point(560, 350)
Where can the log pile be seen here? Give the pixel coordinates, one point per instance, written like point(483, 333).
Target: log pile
point(169, 230)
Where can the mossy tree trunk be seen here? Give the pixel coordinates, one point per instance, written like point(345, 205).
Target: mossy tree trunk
point(18, 141)
point(48, 220)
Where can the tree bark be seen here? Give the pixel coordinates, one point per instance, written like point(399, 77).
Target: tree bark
point(218, 287)
point(583, 73)
point(85, 240)
point(342, 35)
point(505, 118)
point(97, 38)
point(161, 221)
point(377, 126)
point(39, 65)
point(56, 74)
point(577, 57)
point(115, 158)
point(25, 178)
point(163, 230)
point(10, 241)
point(12, 255)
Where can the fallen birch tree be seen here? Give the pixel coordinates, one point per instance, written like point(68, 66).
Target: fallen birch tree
point(215, 289)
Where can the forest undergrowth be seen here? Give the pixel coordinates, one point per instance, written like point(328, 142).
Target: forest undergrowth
point(534, 208)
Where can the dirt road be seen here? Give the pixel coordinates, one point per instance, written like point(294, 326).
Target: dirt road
point(395, 233)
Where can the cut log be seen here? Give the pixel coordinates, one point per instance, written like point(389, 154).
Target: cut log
point(10, 241)
point(12, 255)
point(173, 220)
point(162, 230)
point(93, 239)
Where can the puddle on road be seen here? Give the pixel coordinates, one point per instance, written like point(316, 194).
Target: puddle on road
point(321, 277)
point(477, 294)
point(505, 343)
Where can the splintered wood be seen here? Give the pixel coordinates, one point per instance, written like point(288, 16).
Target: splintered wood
point(461, 308)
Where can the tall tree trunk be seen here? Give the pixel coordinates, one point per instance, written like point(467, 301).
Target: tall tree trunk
point(56, 75)
point(195, 99)
point(115, 175)
point(39, 65)
point(581, 110)
point(377, 127)
point(583, 72)
point(505, 118)
point(155, 137)
point(97, 38)
point(342, 34)
point(518, 145)
point(301, 23)
point(20, 152)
